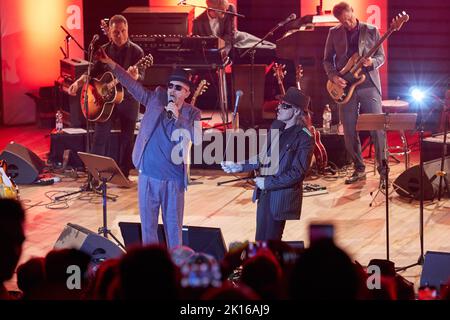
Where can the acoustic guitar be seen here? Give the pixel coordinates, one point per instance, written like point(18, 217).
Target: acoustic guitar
point(8, 189)
point(352, 69)
point(104, 93)
point(320, 153)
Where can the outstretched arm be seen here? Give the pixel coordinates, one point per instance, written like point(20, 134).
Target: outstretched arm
point(137, 90)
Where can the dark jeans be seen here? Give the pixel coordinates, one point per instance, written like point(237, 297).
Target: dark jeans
point(266, 227)
point(364, 100)
point(102, 135)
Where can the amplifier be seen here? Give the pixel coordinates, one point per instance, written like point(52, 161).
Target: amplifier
point(72, 69)
point(432, 147)
point(159, 20)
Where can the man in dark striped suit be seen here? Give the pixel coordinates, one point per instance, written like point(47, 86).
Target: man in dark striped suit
point(280, 193)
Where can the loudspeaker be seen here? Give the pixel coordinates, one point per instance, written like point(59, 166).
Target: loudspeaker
point(200, 239)
point(24, 165)
point(436, 269)
point(407, 184)
point(78, 237)
point(242, 81)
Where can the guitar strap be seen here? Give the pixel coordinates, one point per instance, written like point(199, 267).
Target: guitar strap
point(362, 39)
point(127, 61)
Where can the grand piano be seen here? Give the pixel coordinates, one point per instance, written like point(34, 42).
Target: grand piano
point(305, 45)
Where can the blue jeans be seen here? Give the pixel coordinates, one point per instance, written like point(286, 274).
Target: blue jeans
point(167, 195)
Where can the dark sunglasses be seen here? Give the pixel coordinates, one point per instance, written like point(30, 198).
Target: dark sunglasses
point(176, 86)
point(284, 106)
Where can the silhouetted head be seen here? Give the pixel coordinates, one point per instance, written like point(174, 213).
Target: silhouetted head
point(229, 292)
point(324, 271)
point(148, 273)
point(262, 273)
point(31, 276)
point(60, 264)
point(12, 217)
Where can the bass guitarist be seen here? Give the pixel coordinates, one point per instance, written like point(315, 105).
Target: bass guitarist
point(126, 53)
point(343, 40)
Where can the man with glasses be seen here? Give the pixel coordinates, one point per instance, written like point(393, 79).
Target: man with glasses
point(279, 193)
point(216, 23)
point(162, 178)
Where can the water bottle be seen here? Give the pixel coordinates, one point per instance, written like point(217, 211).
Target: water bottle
point(59, 121)
point(327, 119)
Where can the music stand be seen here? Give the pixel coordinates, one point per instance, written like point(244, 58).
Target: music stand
point(385, 122)
point(105, 170)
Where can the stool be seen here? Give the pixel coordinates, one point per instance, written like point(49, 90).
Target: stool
point(397, 106)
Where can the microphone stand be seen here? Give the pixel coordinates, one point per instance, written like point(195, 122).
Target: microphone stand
point(68, 38)
point(223, 95)
point(184, 3)
point(251, 51)
point(441, 174)
point(88, 186)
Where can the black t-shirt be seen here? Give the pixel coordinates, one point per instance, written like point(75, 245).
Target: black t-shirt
point(352, 42)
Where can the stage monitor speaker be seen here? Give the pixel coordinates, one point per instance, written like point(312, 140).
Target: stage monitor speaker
point(200, 239)
point(407, 184)
point(78, 237)
point(242, 81)
point(436, 269)
point(24, 166)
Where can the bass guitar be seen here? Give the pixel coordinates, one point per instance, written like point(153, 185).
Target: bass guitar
point(352, 69)
point(104, 93)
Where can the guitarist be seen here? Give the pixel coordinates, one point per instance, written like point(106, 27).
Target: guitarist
point(126, 53)
point(343, 40)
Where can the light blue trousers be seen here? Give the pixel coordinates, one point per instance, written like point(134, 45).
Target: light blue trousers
point(167, 195)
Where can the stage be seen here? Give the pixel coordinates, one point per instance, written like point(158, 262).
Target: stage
point(360, 229)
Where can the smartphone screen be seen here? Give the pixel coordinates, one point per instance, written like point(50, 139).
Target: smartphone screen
point(427, 293)
point(320, 232)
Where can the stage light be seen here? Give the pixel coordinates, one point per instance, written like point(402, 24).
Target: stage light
point(417, 94)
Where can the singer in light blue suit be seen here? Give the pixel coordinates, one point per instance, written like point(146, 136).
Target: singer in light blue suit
point(280, 193)
point(162, 180)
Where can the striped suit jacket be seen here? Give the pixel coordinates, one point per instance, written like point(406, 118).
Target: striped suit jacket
point(285, 187)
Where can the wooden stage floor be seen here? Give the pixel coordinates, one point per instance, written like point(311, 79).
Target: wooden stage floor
point(360, 229)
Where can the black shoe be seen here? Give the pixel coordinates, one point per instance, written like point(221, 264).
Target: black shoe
point(356, 176)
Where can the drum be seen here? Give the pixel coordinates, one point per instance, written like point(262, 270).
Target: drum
point(393, 106)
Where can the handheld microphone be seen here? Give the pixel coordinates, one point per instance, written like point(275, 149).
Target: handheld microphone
point(170, 113)
point(293, 16)
point(239, 93)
